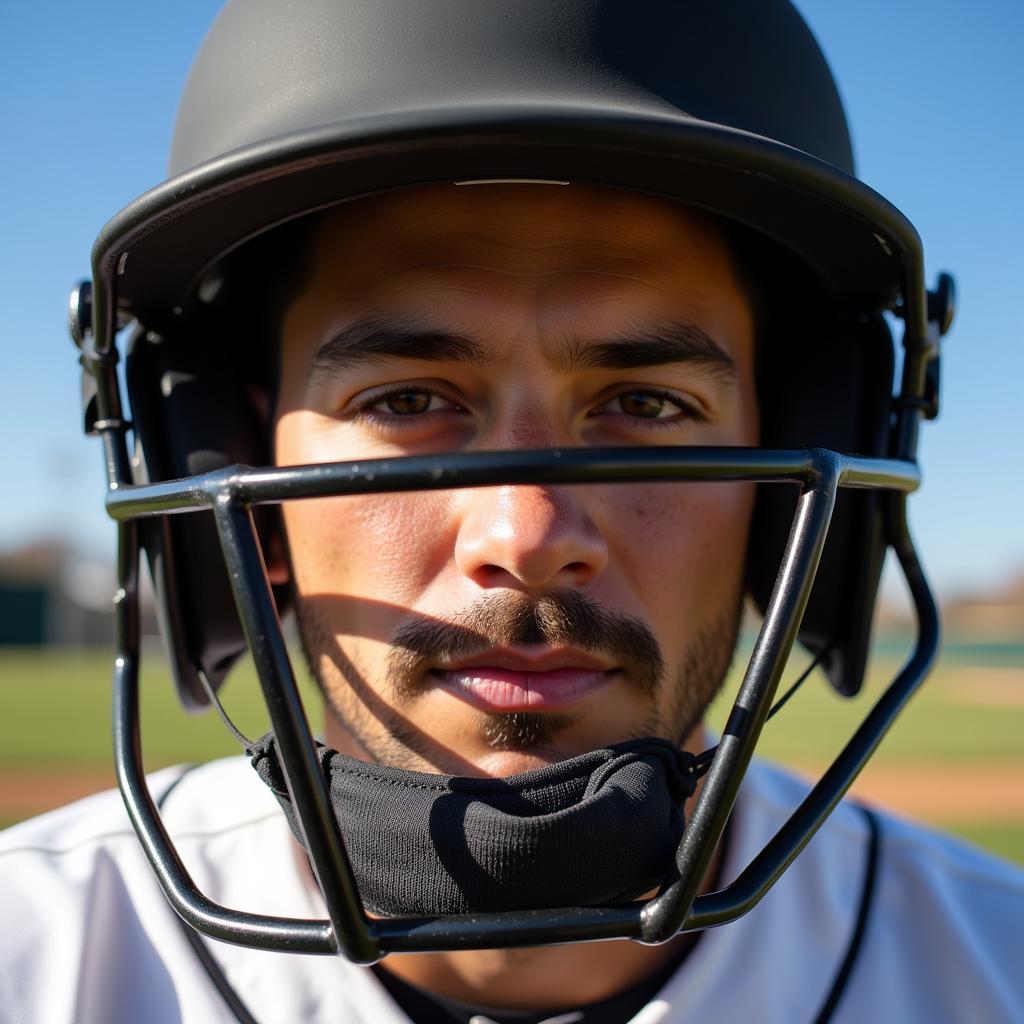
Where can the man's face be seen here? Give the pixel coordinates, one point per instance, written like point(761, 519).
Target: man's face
point(491, 630)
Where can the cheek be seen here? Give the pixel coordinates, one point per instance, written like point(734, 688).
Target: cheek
point(377, 546)
point(683, 548)
point(383, 548)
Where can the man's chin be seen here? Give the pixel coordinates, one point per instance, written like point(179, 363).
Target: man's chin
point(485, 745)
point(502, 763)
point(522, 742)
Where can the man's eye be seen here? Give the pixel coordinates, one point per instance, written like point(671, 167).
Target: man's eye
point(644, 404)
point(640, 404)
point(408, 402)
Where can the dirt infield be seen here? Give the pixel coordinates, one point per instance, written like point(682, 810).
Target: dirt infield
point(976, 792)
point(26, 792)
point(1000, 687)
point(969, 793)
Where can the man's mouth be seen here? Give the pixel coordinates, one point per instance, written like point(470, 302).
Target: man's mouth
point(503, 681)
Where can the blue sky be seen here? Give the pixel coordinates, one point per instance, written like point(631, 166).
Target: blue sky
point(933, 92)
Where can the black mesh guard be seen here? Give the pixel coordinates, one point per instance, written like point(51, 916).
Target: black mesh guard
point(424, 844)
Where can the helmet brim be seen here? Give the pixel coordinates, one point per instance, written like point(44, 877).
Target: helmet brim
point(159, 246)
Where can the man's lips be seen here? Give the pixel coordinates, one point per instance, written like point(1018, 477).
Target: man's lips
point(503, 682)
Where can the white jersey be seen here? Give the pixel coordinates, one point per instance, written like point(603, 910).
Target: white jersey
point(88, 937)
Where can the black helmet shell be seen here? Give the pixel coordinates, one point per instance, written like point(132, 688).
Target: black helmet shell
point(752, 67)
point(728, 106)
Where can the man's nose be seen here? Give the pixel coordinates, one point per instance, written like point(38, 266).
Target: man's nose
point(529, 537)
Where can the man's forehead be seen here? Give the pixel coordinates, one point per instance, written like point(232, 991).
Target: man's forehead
point(536, 222)
point(515, 262)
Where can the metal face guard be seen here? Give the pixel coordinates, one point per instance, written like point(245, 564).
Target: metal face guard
point(231, 495)
point(147, 265)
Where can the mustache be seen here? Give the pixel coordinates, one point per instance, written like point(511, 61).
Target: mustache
point(562, 618)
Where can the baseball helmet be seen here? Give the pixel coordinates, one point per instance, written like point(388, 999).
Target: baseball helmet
point(291, 109)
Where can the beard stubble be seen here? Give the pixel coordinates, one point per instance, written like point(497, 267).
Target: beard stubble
point(560, 618)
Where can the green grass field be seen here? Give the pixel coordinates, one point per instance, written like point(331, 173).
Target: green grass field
point(966, 724)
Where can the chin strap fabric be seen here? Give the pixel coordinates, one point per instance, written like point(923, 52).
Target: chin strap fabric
point(594, 829)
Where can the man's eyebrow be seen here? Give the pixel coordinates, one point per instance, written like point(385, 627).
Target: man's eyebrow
point(374, 338)
point(655, 344)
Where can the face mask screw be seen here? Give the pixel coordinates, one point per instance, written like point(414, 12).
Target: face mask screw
point(942, 303)
point(80, 312)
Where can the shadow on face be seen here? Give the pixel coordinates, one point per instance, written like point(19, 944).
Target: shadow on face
point(455, 318)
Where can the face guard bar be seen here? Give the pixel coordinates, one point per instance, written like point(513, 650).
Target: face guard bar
point(231, 495)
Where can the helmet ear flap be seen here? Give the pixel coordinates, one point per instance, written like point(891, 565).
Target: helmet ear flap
point(827, 388)
point(194, 413)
